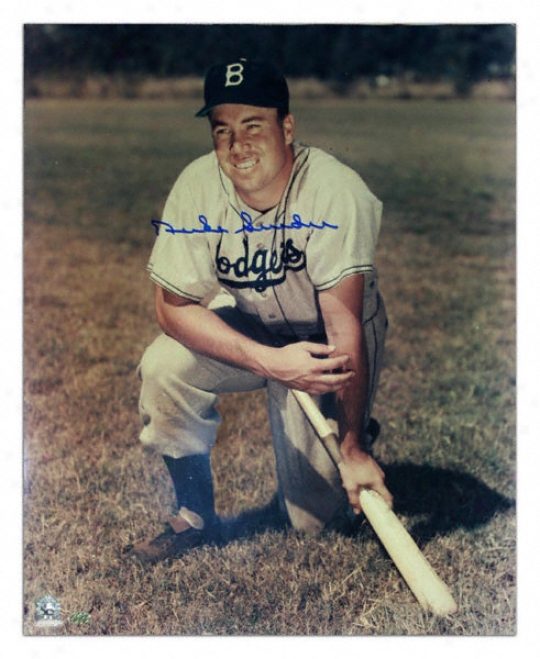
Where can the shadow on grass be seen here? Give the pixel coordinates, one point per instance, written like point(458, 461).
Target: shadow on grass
point(444, 499)
point(254, 521)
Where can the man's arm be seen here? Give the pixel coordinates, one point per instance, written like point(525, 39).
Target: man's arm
point(297, 366)
point(342, 310)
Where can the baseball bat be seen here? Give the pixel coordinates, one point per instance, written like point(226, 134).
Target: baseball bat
point(430, 591)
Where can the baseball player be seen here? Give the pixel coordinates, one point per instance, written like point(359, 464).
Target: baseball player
point(287, 234)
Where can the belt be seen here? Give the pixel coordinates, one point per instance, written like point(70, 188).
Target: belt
point(285, 339)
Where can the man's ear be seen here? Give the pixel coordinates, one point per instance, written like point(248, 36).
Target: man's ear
point(288, 128)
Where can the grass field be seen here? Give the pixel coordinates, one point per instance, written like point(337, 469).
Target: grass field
point(95, 174)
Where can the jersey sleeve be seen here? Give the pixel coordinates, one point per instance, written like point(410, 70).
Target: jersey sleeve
point(350, 215)
point(180, 261)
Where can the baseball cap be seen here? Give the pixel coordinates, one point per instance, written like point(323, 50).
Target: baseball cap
point(246, 82)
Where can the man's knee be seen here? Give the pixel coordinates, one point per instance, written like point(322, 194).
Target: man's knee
point(166, 358)
point(311, 524)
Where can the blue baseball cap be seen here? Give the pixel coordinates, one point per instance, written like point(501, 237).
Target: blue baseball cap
point(245, 82)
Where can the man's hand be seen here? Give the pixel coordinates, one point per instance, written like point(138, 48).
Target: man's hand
point(358, 471)
point(299, 366)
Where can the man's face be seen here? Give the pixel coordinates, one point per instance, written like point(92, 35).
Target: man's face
point(253, 150)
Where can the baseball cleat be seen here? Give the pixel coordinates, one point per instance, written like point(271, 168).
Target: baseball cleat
point(181, 535)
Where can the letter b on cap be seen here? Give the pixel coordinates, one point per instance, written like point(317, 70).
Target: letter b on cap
point(234, 75)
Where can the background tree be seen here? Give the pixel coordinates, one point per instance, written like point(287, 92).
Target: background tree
point(336, 53)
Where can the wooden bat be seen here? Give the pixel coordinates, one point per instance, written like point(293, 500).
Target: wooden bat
point(430, 591)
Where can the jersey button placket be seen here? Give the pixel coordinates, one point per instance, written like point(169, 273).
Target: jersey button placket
point(266, 306)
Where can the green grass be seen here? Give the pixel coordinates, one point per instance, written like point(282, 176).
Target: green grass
point(95, 174)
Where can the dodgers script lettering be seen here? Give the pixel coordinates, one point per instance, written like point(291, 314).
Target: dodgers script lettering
point(261, 269)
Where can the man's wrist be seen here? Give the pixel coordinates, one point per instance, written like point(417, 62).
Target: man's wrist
point(353, 445)
point(260, 360)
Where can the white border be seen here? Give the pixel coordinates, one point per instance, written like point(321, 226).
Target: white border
point(14, 15)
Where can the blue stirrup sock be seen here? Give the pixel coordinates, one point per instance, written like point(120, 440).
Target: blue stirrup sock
point(193, 485)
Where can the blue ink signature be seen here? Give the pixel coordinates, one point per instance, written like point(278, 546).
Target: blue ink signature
point(247, 222)
point(247, 226)
point(206, 228)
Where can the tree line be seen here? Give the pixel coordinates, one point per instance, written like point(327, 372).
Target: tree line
point(465, 53)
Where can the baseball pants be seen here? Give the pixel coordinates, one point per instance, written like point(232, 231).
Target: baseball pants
point(178, 399)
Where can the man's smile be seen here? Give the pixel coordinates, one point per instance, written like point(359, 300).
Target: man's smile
point(246, 164)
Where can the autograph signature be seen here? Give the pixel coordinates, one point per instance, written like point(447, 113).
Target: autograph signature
point(206, 228)
point(297, 223)
point(248, 226)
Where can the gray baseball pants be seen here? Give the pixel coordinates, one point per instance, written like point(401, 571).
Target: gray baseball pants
point(180, 390)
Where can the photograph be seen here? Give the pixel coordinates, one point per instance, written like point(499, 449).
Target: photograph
point(269, 329)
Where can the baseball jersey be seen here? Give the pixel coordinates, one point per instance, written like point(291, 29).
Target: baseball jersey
point(324, 229)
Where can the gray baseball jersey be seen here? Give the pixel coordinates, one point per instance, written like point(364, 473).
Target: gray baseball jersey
point(324, 229)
